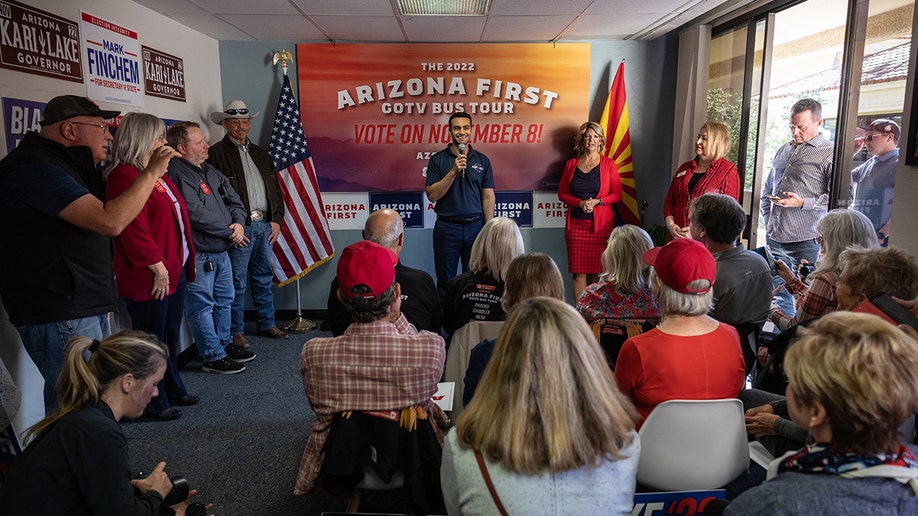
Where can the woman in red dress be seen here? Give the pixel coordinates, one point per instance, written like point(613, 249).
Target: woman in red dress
point(590, 186)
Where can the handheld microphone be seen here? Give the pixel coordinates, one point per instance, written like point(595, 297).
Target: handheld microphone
point(462, 152)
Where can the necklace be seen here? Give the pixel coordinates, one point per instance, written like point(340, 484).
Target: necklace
point(587, 163)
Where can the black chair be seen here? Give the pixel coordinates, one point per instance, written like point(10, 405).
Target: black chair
point(383, 450)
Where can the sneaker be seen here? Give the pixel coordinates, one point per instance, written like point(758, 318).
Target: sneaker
point(223, 366)
point(239, 353)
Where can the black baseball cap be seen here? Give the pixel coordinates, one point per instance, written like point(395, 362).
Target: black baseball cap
point(883, 125)
point(65, 107)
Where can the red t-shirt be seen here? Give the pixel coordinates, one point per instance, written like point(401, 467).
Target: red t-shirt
point(655, 367)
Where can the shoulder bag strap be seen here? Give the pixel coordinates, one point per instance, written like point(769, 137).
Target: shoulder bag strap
point(487, 479)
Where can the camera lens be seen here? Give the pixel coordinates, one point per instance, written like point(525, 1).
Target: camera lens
point(195, 509)
point(179, 492)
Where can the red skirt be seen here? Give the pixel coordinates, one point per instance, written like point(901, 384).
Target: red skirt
point(584, 247)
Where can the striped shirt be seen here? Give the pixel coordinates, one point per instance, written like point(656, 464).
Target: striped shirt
point(806, 170)
point(373, 366)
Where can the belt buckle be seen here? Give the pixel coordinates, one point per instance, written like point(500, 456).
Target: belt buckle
point(257, 215)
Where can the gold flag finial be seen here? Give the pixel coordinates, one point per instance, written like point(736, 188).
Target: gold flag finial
point(284, 57)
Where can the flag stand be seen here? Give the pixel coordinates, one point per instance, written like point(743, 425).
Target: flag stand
point(299, 324)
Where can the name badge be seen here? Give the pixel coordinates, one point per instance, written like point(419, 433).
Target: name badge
point(204, 188)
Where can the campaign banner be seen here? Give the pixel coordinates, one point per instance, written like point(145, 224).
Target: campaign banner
point(38, 42)
point(375, 113)
point(548, 211)
point(346, 210)
point(409, 205)
point(19, 117)
point(163, 74)
point(684, 503)
point(111, 61)
point(514, 205)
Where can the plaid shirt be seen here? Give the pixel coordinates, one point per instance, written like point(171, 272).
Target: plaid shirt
point(812, 302)
point(373, 366)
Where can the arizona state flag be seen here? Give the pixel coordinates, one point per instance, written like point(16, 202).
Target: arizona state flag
point(614, 122)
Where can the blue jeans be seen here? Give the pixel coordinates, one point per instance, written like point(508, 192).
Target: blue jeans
point(163, 318)
point(45, 345)
point(452, 243)
point(790, 253)
point(207, 305)
point(255, 260)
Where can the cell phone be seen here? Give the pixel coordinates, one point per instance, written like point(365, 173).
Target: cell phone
point(772, 197)
point(889, 310)
point(208, 266)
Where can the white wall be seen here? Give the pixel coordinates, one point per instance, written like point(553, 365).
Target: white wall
point(203, 95)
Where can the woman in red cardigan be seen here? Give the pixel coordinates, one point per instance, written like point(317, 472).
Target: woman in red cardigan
point(709, 172)
point(590, 186)
point(153, 251)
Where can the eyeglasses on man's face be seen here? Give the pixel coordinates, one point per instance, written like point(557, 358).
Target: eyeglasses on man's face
point(871, 137)
point(102, 127)
point(241, 111)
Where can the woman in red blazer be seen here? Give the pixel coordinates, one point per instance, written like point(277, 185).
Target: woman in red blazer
point(709, 172)
point(590, 186)
point(153, 255)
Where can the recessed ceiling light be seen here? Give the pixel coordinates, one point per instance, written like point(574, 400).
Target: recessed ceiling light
point(443, 7)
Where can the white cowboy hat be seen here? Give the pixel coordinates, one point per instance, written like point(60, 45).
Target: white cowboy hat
point(235, 109)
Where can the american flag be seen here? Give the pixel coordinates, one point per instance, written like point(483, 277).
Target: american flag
point(305, 241)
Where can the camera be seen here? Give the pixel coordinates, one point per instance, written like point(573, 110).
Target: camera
point(805, 270)
point(179, 491)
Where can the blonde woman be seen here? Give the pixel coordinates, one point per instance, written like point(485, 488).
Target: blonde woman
point(589, 186)
point(623, 290)
point(852, 383)
point(708, 172)
point(477, 293)
point(564, 439)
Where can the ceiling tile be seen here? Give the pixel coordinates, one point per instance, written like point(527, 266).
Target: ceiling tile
point(529, 8)
point(523, 28)
point(360, 28)
point(457, 29)
point(171, 6)
point(268, 27)
point(211, 26)
point(248, 6)
point(350, 7)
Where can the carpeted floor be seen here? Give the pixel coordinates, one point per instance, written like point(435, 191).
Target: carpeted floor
point(241, 445)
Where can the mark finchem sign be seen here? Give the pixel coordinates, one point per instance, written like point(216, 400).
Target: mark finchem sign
point(111, 61)
point(163, 74)
point(37, 42)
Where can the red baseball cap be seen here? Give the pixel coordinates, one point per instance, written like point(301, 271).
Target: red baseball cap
point(681, 262)
point(366, 263)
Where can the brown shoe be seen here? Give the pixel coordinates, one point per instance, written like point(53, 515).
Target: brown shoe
point(240, 340)
point(275, 333)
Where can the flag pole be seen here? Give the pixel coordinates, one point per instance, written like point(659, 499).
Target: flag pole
point(298, 324)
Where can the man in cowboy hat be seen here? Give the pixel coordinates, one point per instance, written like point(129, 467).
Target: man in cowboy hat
point(251, 172)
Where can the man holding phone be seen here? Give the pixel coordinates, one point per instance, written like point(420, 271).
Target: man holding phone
point(796, 192)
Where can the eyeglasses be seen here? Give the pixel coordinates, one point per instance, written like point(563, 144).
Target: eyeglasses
point(242, 111)
point(870, 137)
point(102, 127)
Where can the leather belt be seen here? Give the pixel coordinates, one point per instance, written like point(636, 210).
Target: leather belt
point(257, 215)
point(462, 222)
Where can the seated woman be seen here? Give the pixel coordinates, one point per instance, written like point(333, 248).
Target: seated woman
point(838, 230)
point(623, 290)
point(852, 383)
point(865, 272)
point(689, 355)
point(477, 294)
point(529, 275)
point(564, 441)
point(78, 462)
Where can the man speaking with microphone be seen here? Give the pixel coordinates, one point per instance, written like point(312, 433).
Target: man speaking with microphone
point(461, 183)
